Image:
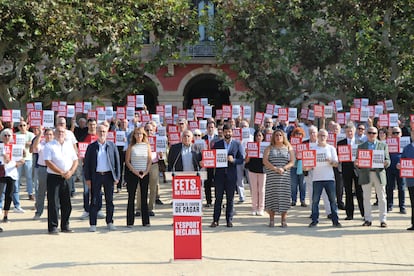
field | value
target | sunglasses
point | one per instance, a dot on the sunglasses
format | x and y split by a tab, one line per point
361	128
197	134
369	132
396	133
22	125
7	135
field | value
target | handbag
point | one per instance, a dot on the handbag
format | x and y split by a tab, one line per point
161	165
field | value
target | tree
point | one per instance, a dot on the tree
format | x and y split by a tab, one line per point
79	49
330	49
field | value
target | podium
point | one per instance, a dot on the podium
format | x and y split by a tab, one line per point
187	213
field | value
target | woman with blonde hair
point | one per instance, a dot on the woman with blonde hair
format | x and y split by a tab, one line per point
138	160
278	158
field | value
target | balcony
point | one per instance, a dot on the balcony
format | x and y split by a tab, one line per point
202	49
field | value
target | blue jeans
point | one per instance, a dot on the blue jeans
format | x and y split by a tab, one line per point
27	167
296	180
393	175
329	186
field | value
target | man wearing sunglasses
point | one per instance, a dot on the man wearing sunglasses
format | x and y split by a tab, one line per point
393	177
376	177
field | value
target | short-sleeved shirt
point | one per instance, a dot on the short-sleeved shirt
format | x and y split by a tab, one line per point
62	155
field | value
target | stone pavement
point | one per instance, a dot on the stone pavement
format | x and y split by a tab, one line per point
249	248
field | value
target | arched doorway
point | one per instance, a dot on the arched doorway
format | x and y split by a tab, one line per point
206	86
149	89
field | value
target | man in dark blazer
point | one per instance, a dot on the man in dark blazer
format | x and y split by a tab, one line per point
101	168
225	178
368	177
350	176
182	157
209	182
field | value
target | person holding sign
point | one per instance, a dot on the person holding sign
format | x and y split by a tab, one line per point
257	177
393	175
225	178
324	178
278	159
408	153
11	173
369	176
296	173
39	144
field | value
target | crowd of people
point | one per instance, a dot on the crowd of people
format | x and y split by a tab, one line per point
50	163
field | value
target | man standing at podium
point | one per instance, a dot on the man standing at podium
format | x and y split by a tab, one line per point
225	178
182	156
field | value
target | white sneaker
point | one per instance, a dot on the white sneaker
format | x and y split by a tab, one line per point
18	210
260	213
84	215
111	227
92	228
100	215
254	213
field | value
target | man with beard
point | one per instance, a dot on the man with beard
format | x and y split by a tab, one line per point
225	178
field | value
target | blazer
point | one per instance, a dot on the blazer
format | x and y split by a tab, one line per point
175	161
381	173
90	161
237	151
215	138
348	168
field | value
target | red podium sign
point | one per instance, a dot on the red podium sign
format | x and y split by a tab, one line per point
187	211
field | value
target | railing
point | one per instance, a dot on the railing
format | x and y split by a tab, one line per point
203	49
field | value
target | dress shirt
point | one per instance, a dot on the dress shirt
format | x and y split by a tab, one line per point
102	164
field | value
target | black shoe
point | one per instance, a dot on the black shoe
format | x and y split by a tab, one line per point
67	230
367	223
403	211
5	220
337	225
293	204
313	224
410	228
303	204
349	218
375	203
229	224
208	205
137	213
1	229
159	202
389	209
151	213
383	225
54	231
214	224
329	216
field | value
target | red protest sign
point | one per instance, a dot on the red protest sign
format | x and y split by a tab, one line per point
364	158
209	158
393	144
407	168
309	158
253	149
344	153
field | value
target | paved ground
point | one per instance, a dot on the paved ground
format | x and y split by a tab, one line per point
249	248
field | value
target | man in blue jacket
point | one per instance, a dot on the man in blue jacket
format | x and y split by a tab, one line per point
101	168
225	178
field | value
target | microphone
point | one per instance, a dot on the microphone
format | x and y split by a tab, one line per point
175	162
